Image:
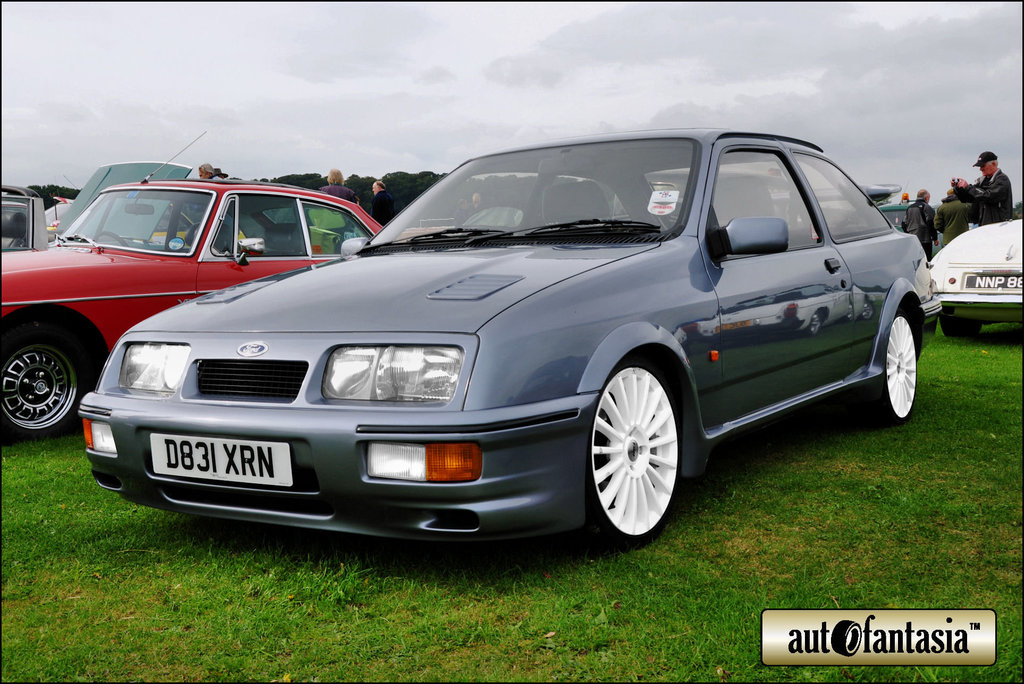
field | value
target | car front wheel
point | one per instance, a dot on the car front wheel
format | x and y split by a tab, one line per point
633	465
43	368
900	388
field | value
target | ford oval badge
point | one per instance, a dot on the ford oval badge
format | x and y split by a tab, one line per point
253	349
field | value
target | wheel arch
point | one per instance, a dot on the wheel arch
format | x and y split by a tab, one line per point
69	319
901	296
658	346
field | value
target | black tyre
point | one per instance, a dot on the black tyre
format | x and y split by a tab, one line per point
959	327
633	465
46	370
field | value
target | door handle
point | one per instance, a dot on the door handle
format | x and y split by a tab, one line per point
832	265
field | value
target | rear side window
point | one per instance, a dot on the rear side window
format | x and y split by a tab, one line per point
849	214
329	227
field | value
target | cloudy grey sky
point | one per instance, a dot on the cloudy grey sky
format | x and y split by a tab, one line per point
906	93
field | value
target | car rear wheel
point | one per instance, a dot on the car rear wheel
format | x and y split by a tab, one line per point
959	327
900	388
633	465
43	368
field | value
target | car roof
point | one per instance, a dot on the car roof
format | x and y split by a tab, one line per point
224	185
212	184
706	136
19	191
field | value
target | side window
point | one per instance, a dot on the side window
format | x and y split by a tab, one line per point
329	227
225	230
849	214
275	218
752	184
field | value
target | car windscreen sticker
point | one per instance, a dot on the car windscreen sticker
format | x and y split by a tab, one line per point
133	194
663	202
175	244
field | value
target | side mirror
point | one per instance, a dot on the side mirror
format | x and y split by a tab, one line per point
750	235
353	245
246	246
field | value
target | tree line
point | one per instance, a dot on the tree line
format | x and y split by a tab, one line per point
404	187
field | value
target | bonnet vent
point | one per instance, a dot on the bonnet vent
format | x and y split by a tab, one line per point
474	287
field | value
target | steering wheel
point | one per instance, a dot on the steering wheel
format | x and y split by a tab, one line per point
117	238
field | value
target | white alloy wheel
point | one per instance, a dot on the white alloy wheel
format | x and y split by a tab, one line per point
634	455
901	368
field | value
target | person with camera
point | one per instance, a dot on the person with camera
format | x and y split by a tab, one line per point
990	197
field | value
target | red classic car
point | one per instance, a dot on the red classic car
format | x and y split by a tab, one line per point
138	249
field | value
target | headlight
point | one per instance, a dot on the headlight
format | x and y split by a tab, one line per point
393	373
153	367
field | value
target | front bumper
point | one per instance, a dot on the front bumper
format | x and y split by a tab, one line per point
532	480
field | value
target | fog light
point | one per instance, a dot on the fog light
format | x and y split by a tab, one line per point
99	437
444	462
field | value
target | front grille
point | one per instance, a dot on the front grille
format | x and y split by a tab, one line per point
249	378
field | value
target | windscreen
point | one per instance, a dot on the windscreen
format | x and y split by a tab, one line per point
612	185
151	220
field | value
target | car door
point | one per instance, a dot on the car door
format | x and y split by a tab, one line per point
856	226
282	226
783	316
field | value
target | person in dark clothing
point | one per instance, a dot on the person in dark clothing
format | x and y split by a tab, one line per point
990	197
920	221
335	186
383	207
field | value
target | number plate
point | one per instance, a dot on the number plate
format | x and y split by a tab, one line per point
231	460
992	281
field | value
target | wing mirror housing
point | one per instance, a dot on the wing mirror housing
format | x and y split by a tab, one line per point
246	246
749	235
353	245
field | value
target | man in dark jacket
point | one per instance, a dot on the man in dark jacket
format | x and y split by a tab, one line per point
920	221
383	208
990	197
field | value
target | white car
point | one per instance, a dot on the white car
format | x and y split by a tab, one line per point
978	278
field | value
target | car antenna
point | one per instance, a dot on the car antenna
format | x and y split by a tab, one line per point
146	179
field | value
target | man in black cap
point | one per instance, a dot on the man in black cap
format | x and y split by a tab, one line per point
990	196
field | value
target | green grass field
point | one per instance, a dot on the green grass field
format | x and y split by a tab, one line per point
818	511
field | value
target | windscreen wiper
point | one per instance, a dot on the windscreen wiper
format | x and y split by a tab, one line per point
453	234
595	226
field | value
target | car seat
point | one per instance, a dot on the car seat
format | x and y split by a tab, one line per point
284	239
15	229
573	201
